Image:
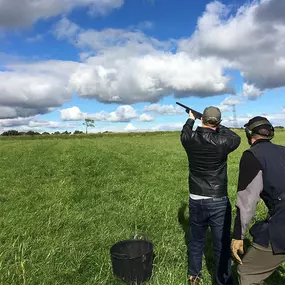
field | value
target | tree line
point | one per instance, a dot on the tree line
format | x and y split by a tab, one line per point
32	133
88	123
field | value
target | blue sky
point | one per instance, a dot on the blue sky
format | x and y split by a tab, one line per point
125	63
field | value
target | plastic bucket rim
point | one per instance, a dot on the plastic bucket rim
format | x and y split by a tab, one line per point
132	241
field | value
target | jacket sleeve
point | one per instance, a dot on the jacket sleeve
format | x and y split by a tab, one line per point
250	186
232	140
186	132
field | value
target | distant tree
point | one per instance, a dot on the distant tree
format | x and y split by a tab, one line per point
32	133
11	133
45	133
279	127
88	123
66	133
77	132
56	133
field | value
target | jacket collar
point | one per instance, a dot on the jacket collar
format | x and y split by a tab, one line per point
205	130
260	141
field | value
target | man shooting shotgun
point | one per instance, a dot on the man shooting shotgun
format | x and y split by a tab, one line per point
207	150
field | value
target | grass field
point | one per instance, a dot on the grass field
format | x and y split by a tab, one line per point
65	201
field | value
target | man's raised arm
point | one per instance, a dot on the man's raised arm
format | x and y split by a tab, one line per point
186	132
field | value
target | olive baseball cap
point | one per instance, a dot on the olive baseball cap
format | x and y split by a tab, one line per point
212	114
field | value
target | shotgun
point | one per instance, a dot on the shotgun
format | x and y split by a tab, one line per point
196	114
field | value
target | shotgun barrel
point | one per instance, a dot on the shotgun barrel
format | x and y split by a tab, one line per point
196	114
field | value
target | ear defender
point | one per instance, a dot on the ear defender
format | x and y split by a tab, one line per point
249	128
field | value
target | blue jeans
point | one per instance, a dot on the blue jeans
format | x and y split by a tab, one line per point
216	213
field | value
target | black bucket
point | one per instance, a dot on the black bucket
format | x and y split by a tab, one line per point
132	260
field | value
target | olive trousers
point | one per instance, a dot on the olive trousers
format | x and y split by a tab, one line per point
258	264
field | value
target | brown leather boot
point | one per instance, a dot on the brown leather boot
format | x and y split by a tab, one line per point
194	280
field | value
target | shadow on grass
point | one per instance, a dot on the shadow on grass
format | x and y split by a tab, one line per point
278	277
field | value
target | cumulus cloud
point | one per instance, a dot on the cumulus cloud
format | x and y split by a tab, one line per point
231	101
72	114
126	80
21	13
14	112
131	67
251	92
277	119
29	123
34	88
97	40
130	128
163	109
240	40
145	118
124	113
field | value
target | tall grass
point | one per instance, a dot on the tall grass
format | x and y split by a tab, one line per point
65	202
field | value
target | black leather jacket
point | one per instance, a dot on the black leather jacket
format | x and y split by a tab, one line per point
207	152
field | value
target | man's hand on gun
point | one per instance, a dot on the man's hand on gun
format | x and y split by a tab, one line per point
237	247
191	115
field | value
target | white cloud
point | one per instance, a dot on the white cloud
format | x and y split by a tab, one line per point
20	13
231	101
72	114
145	118
15	122
163	109
274	118
167	127
34	88
31	123
110	77
65	29
130	128
251	92
14	112
98	40
124	113
252	40
131	67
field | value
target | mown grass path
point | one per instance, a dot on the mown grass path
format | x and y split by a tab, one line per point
65	202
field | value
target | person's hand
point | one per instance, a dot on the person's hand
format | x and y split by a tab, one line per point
237	247
191	116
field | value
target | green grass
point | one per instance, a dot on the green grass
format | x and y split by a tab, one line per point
65	201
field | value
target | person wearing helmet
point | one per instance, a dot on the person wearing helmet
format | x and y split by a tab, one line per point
261	176
207	149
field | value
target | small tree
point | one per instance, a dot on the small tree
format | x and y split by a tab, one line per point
88	123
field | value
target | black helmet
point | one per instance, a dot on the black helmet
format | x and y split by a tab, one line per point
261	126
